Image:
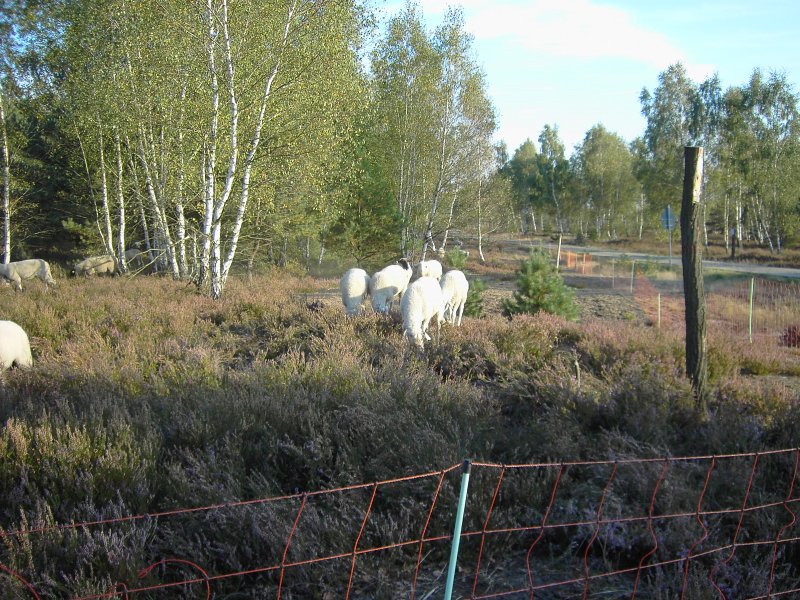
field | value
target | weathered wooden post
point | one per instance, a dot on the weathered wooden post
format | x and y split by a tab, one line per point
692	257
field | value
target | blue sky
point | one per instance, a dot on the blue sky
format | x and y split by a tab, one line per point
576	63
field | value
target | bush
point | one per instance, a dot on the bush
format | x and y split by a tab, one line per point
474	305
540	288
456	258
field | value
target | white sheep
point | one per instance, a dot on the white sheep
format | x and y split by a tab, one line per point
97	265
14	346
354	286
421	302
387	283
15	272
455	288
428	268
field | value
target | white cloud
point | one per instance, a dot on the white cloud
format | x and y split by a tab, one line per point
571	28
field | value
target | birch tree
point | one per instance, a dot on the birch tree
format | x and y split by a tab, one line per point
436	116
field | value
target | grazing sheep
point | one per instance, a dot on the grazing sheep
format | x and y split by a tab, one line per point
387	283
421	302
354	286
97	265
455	288
15	272
428	268
14	346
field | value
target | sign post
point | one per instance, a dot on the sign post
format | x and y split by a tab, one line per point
668	223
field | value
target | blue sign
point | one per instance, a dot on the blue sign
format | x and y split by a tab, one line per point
668	219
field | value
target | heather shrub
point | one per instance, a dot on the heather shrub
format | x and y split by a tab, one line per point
147	397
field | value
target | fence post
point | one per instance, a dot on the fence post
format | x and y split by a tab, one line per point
613	273
462	501
558	255
692	260
633	273
659	311
750	318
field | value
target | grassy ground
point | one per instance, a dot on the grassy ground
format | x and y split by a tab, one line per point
146	396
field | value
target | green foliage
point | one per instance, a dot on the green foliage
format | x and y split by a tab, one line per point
473	307
368	228
540	288
456	258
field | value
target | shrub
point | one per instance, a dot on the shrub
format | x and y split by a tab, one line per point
540	288
456	258
474	305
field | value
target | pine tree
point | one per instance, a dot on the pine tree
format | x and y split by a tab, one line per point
540	288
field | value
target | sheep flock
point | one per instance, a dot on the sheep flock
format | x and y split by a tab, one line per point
425	294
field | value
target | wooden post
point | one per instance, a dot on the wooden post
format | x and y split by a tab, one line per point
558	256
692	257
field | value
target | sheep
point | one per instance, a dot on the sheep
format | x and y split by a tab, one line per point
97	265
135	258
455	287
14	346
428	268
387	283
354	286
421	302
15	272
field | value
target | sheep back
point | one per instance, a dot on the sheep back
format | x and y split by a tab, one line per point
421	302
354	287
97	265
15	348
428	268
387	283
455	288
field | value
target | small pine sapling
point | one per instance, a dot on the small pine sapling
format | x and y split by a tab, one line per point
540	288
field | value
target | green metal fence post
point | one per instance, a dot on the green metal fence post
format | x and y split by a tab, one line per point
752	290
462	501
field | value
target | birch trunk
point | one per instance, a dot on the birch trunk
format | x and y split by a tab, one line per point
180	218
121	206
255	140
156	205
6	184
109	238
209	153
437	192
480	223
140	206
449	222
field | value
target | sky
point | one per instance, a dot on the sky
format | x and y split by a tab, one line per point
578	63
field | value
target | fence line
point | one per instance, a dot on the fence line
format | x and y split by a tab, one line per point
754	310
664	554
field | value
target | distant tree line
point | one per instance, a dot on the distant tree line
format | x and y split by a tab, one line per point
214	134
609	189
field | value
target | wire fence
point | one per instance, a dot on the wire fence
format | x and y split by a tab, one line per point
756	311
664	527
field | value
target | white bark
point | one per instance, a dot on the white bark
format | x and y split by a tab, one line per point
210	151
121	206
109	236
255	140
180	218
6	184
163	235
